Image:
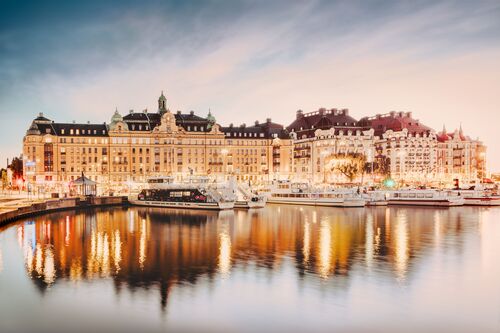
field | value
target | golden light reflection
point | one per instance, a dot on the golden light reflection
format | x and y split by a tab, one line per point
39	259
49	269
117	246
369	240
325	249
306	249
437	228
402	252
142	244
224	251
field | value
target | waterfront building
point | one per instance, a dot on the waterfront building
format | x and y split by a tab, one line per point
141	144
319	136
132	147
460	157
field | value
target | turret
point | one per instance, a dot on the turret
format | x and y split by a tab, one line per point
162	104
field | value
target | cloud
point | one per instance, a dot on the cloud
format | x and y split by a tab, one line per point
248	60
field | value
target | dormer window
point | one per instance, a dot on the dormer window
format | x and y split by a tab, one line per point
77	132
71	131
195	128
62	131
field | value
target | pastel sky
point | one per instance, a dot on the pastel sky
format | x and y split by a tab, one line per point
249	60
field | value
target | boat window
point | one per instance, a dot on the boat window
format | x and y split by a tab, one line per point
412	195
420	195
428	195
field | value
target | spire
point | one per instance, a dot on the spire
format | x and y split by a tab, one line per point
444	129
460	130
162	104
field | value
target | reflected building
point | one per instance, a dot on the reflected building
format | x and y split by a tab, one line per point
155	247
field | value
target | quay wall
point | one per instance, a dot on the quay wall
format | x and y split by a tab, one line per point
59	204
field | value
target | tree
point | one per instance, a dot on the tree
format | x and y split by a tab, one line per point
350	166
5	180
17	167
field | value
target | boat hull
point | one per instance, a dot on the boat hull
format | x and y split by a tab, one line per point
313	202
249	204
482	201
429	203
185	205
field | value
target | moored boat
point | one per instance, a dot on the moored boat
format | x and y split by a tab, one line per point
432	198
479	197
285	192
164	192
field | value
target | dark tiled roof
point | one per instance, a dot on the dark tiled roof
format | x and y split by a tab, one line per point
395	121
61	129
267	130
306	124
151	120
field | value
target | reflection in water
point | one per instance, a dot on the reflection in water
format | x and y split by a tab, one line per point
169	249
325	248
401	246
224	250
169	246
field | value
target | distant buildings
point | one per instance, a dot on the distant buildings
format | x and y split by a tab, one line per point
140	144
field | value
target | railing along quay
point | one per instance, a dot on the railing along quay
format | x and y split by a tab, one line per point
59	204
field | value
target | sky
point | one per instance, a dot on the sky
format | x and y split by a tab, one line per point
250	60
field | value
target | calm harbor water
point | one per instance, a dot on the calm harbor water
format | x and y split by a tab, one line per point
279	269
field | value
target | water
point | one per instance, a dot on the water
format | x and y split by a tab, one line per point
280	269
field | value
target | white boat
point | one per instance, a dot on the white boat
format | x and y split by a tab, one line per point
285	192
375	198
164	192
245	198
479	197
433	198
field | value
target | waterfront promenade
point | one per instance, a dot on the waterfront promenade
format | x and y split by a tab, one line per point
13	207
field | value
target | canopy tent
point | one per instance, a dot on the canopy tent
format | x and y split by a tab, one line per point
85	186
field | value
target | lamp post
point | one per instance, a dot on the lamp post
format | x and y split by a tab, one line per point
224	153
323	154
401	155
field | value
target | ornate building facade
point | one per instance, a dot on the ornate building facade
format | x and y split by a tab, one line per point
141	144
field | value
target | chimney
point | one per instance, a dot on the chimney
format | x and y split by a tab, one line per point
191	112
393	114
40	114
231	125
401	114
243	125
74	122
378	116
178	112
408	114
322	111
299	114
88	122
345	112
131	111
268	120
256	123
335	111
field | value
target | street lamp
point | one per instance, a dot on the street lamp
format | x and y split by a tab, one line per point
224	153
323	154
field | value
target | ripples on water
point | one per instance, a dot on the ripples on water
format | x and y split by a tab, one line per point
283	268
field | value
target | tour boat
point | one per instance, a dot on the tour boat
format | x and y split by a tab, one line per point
246	199
434	198
164	192
375	198
479	198
285	192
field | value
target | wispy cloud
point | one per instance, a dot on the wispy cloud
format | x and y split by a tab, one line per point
248	60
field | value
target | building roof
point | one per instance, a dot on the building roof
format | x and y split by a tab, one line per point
305	124
61	129
266	130
395	121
